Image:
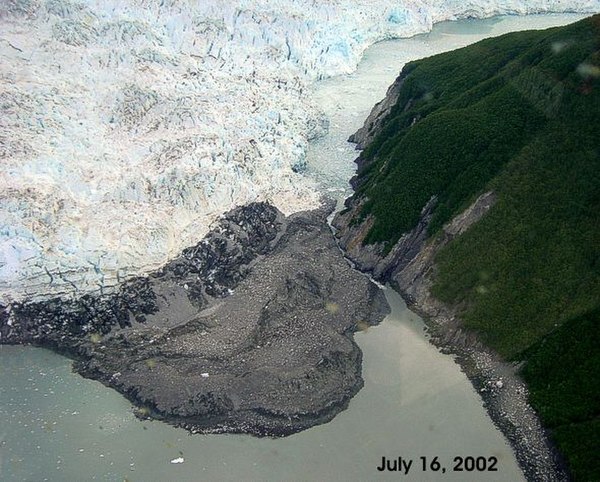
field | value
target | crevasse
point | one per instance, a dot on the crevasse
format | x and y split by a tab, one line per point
127	127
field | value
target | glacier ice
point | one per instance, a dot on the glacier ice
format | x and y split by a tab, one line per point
128	126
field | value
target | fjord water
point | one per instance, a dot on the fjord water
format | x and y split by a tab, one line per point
57	426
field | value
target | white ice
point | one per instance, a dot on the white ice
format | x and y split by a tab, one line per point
128	126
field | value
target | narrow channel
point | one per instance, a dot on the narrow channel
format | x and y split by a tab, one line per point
415	403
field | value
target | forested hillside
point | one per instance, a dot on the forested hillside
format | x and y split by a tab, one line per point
518	115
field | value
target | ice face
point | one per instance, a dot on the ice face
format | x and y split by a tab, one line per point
127	127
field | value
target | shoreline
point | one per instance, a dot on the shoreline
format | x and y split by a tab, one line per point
402	253
409	268
503	394
250	331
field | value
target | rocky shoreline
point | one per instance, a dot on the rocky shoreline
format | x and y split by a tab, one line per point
249	331
503	392
410	269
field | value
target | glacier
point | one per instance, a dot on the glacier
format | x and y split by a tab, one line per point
127	127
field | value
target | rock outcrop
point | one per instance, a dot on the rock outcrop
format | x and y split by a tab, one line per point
363	136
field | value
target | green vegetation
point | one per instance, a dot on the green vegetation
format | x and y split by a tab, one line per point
519	115
562	374
461	117
534	261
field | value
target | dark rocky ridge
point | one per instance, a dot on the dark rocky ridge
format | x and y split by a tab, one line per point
248	331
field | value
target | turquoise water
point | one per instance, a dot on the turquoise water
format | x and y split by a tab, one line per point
57	426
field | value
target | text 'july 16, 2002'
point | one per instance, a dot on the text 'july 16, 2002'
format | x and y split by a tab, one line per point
409	466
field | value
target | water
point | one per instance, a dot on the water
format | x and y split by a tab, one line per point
348	100
57	426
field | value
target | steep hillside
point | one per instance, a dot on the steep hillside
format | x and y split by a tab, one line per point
478	195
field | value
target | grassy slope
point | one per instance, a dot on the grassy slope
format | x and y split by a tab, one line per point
520	115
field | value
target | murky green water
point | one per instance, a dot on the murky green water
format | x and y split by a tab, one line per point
56	426
416	402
